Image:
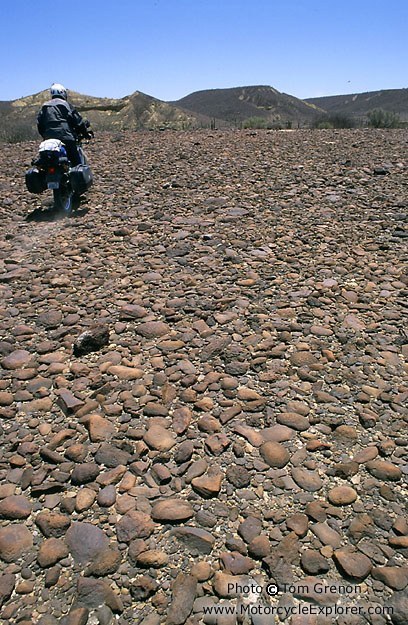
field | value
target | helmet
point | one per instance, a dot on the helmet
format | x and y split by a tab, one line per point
58	90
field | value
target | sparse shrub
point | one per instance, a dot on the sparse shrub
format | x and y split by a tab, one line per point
335	120
342	121
324	126
255	122
274	126
17	131
378	118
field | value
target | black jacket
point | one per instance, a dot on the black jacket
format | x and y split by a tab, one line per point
59	120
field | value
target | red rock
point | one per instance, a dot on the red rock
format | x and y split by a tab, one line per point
159	438
16	359
134	524
355	565
99	428
15	539
274	454
172	510
152	329
342	495
208	485
51	551
6	399
181	419
15	507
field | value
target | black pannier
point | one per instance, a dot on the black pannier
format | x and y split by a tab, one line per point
35	180
80	178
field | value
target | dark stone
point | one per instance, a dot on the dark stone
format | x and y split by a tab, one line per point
196	540
398	604
48	620
15	539
250	528
355	566
214	348
206	518
170	510
84	473
236	563
282	559
7	583
15	507
93	593
52	576
107	496
313	562
396	577
53	524
183	594
184	452
76	616
92	340
308	480
111	456
143	587
259	547
133	525
50	319
85	542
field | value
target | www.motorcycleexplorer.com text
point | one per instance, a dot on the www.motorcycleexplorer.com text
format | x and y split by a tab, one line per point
250	603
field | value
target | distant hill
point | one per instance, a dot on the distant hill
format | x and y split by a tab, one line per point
358	104
201	109
224	107
242	103
135	111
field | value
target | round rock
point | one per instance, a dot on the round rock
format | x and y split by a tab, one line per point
85	541
274	454
308	480
384	470
157	437
14	541
293	420
171	510
342	495
15	507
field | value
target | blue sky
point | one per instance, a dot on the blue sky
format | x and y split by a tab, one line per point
170	48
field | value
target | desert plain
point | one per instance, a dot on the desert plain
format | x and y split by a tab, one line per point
241	418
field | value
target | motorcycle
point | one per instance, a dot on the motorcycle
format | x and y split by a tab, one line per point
52	170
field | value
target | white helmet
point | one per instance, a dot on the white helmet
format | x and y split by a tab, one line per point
58	90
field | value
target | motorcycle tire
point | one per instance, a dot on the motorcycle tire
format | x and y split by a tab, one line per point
63	199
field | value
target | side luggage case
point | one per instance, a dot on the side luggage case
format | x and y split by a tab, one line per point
35	180
80	178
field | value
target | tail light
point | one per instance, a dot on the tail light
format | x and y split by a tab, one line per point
51	170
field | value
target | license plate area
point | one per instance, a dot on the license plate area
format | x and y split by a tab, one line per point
53	185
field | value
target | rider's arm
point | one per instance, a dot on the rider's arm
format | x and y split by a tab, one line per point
40	123
78	122
75	121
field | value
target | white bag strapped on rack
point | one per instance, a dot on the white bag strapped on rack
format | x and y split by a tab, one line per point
50	145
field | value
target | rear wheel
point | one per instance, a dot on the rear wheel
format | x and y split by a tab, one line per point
63	199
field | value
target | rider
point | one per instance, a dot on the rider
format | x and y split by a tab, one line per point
58	119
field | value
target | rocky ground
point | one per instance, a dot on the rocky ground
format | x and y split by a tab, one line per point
204	383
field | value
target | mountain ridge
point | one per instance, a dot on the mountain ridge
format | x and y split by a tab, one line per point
358	104
201	109
236	104
135	111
